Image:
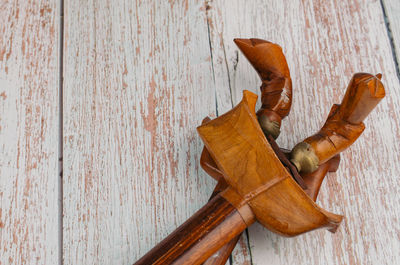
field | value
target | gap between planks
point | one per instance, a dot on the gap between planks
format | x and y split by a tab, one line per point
390	37
60	135
208	19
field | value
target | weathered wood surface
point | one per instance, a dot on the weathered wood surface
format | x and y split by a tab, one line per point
29	109
138	80
391	10
139	77
325	43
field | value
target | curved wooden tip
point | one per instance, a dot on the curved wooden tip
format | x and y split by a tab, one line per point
266	57
251	41
251	100
270	63
205	120
334	163
334	220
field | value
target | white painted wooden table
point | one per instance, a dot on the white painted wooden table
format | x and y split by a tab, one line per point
117	88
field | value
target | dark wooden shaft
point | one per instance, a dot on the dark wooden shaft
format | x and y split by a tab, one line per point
210	228
222	255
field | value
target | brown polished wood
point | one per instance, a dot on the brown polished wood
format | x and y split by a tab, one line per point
285	161
235	154
209	166
239	148
270	63
363	94
276	90
222	255
210	228
256	191
314	180
345	121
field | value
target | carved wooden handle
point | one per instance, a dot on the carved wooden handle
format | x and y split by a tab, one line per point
364	92
344	124
210	228
270	63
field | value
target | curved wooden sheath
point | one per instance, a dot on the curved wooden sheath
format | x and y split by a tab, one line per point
345	121
240	150
274	197
276	89
208	164
209	229
312	180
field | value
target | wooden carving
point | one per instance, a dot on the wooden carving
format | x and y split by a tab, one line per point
363	94
344	124
270	63
257	181
256	190
276	98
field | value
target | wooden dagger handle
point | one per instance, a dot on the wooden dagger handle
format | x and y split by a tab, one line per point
210	228
270	63
364	92
344	124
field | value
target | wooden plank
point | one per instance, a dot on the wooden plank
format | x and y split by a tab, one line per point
226	95
138	80
29	113
325	43
392	11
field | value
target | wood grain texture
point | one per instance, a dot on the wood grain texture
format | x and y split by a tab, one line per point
139	77
325	43
238	145
203	234
392	11
29	83
225	93
138	81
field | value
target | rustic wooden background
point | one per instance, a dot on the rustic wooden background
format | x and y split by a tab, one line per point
99	101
